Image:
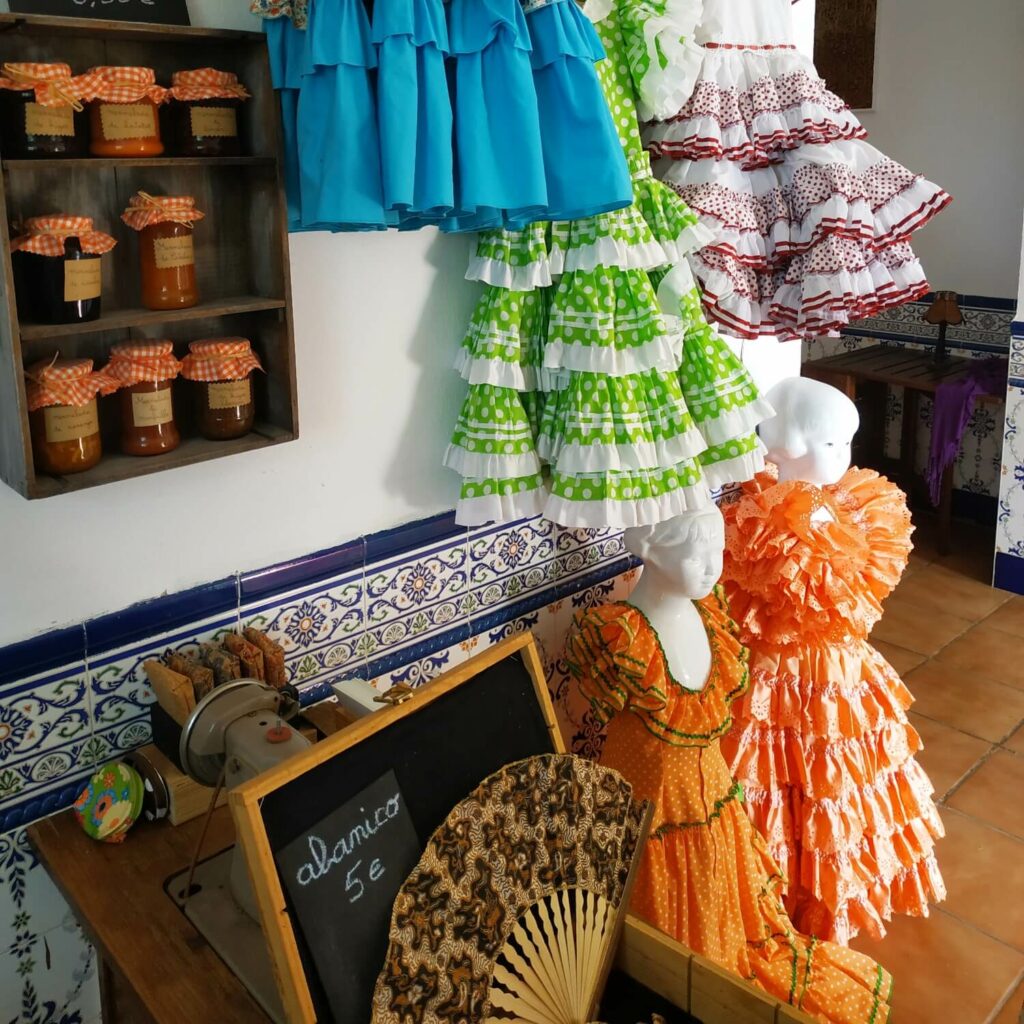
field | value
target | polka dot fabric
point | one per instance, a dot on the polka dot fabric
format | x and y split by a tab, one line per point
706	877
579	378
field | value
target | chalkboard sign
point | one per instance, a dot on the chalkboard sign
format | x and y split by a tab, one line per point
342	878
437	747
154	12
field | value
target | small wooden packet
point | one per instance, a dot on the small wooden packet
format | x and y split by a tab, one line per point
250	656
274	669
224	665
173	690
200	675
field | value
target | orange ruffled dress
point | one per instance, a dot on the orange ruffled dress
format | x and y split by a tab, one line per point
822	743
706	877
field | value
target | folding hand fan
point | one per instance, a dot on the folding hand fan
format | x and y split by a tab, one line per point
514	910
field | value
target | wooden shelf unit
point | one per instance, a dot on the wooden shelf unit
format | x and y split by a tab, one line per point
241	246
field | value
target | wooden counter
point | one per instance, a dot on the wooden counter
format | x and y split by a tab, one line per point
154	965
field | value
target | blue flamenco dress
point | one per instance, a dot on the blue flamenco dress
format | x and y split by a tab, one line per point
490	117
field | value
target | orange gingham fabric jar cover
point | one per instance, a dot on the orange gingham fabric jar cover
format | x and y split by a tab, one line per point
46	235
207	84
137	361
217	359
121	85
52	84
145	210
66	382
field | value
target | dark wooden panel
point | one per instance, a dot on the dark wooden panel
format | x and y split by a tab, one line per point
844	48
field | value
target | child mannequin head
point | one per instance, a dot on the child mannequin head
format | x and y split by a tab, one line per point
809	436
685	550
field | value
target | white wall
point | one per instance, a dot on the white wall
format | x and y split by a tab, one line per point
949	88
378	319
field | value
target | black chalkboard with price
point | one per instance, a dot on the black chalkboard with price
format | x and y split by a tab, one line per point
331	834
154	12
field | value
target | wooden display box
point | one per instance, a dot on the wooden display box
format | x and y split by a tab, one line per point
443	741
241	246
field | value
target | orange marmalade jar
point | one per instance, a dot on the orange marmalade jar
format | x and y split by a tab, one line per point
62	413
145	370
41	112
123	114
223	369
167	258
204	112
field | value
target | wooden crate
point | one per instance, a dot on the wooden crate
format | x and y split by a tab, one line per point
241	247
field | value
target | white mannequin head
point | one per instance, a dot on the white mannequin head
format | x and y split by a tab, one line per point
685	551
809	436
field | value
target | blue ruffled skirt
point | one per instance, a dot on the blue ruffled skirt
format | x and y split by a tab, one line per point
488	117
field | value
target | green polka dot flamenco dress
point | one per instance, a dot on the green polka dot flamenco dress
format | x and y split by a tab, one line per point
598	393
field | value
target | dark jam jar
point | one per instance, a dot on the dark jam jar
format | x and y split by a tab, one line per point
222	369
204	113
58	269
146	371
40	112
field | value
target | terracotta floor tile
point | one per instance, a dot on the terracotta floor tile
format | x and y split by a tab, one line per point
900	658
984	873
1009	617
917	629
939	963
988	652
1016	741
970	703
1013	1011
940	589
948	754
995	793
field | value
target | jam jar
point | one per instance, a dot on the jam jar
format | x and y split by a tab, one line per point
222	369
123	111
63	416
57	269
146	370
41	112
203	112
166	255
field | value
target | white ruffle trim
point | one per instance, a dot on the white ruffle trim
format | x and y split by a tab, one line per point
598	10
601	458
621	515
499	372
504	275
663	353
482	465
500	508
690	239
608	252
662	91
734	471
735	422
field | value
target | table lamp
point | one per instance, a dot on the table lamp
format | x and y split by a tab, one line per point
943	311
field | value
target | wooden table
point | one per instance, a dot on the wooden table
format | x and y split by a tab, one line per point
154	965
917	373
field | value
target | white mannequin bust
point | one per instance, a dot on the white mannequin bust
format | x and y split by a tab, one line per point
809	436
682	563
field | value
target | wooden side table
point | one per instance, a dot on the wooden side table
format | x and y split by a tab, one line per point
917	373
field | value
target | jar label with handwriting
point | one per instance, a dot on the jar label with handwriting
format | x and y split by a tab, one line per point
82	279
71	422
173	252
229	394
210	122
40	120
152	408
128	121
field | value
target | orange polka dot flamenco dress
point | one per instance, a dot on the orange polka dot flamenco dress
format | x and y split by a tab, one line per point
822	743
706	877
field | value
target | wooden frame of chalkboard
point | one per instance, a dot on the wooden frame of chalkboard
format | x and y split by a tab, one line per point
478	717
